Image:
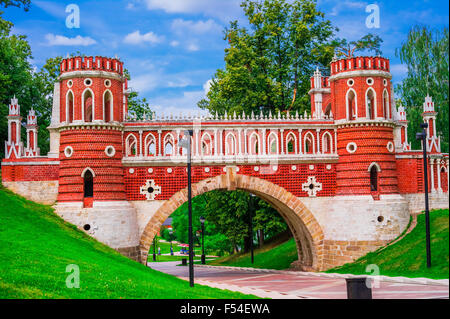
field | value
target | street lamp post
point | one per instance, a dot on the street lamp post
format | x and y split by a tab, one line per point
202	221
171	248
252	197
154	248
423	137
186	143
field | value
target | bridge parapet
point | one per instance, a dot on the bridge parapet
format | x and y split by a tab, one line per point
225	140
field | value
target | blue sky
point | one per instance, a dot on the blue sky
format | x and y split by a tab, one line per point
173	47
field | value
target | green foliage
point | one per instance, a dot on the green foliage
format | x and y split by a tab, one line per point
426	54
36	246
407	257
227	220
268	65
369	42
270	257
137	106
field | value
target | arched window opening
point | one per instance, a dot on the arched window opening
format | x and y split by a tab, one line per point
131	146
150	145
291	143
351	105
254	144
88	106
386	105
328	110
273	144
69	109
230	145
168	149
88	184
370	100
107	107
374	179
169	145
207	148
326	144
309	144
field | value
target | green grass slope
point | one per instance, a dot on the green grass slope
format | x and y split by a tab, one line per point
407	257
36	246
272	256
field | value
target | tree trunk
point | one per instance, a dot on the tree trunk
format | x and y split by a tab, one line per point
261	238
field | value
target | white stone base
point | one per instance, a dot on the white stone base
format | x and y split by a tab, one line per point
355	218
42	192
112	223
417	201
144	211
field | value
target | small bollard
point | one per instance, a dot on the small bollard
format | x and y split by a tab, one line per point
184	262
357	288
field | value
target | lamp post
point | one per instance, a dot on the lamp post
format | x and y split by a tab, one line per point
423	137
186	143
202	221
154	248
251	206
171	248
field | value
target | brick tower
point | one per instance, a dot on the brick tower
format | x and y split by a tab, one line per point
92	105
14	146
361	91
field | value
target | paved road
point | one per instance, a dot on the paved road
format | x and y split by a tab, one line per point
289	286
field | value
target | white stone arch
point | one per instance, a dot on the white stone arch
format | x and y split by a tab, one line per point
205	137
313	144
86	170
252	145
83	101
111	106
347	106
230	149
330	146
273	138
169	140
294	141
130	143
67	106
147	142
376	165
374	102
386	105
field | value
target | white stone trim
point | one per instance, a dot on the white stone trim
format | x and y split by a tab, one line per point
68	151
94	74
349	145
112	153
361	73
85	171
31	163
376	165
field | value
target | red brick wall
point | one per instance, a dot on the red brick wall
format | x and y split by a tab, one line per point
285	177
353	177
22	173
89	151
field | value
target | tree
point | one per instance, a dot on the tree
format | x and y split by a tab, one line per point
426	54
269	65
137	106
368	42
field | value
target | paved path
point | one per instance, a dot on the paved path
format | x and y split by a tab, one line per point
284	285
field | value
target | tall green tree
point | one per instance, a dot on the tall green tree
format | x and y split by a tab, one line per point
426	54
269	64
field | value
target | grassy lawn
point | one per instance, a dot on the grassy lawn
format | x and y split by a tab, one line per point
36	246
407	257
272	256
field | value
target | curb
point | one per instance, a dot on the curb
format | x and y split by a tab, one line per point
404	280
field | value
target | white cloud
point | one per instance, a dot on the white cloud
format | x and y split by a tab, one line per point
174	43
179	104
138	38
184	27
53	39
207	86
193	47
347	5
222	9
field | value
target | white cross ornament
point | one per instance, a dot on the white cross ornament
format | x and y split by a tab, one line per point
312	186
150	190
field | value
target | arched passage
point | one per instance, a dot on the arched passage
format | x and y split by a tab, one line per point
302	223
